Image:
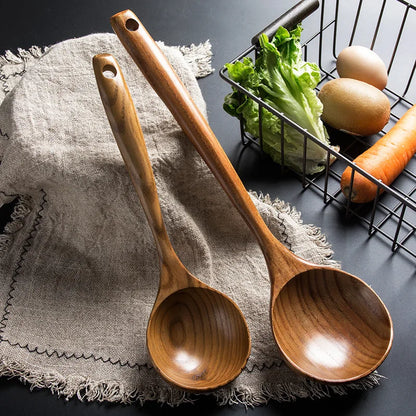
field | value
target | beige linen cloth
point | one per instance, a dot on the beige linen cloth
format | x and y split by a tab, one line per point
78	265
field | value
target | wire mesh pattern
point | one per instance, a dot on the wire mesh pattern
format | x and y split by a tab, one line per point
388	27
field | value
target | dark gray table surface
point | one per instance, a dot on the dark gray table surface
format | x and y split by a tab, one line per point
230	25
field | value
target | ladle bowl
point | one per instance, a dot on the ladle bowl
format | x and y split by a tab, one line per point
197	337
197	333
339	329
328	324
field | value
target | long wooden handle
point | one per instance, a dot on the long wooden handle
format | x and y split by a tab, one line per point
164	80
127	131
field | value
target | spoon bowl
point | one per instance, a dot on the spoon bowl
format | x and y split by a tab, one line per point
175	338
334	338
197	337
328	324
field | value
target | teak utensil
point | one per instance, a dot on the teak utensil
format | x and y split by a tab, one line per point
328	324
197	337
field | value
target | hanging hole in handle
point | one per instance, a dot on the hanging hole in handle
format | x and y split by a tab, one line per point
109	71
132	25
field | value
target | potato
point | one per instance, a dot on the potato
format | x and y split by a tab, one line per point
354	106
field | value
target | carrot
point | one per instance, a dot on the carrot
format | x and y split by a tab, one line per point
385	160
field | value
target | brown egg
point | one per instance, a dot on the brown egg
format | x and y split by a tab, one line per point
362	63
354	106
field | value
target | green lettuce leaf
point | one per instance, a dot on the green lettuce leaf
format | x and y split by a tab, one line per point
283	80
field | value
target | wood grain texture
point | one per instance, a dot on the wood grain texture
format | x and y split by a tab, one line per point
328	324
341	328
197	337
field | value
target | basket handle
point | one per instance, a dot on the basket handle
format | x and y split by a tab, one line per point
289	19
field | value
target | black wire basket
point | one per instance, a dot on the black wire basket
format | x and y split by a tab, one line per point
389	28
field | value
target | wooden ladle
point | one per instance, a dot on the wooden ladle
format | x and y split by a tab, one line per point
328	324
197	337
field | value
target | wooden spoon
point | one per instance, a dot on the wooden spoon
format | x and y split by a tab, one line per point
197	337
328	324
